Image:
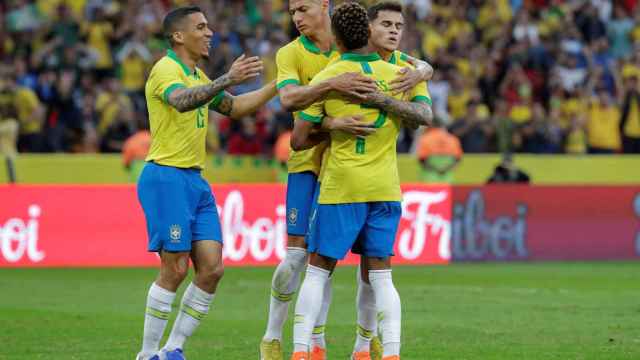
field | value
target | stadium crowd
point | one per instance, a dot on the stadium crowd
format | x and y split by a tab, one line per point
537	76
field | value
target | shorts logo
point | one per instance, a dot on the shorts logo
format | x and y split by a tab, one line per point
175	232
293	216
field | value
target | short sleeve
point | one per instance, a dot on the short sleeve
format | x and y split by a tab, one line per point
165	80
315	112
420	93
286	62
213	105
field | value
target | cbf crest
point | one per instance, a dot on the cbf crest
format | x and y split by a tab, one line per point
293	216
175	233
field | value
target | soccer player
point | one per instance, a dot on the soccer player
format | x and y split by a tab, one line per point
387	25
298	62
180	210
360	194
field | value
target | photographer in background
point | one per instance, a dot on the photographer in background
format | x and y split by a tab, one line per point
507	172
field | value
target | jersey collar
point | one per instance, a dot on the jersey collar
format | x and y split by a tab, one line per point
311	47
360	57
393	59
173	56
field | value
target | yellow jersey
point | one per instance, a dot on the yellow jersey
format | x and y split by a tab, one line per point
357	169
298	63
26	103
603	126
177	139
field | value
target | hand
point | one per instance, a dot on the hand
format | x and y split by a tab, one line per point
407	79
354	85
244	68
352	125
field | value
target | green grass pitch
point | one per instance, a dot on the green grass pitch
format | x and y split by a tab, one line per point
471	311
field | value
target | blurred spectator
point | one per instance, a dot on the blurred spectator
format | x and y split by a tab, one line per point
508	172
618	31
439	153
630	120
8	121
473	132
541	134
536	55
245	141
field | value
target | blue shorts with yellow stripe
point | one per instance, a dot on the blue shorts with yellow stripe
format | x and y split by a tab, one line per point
179	208
367	228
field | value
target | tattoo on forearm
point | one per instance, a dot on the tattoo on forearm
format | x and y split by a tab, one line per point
192	98
226	105
411	114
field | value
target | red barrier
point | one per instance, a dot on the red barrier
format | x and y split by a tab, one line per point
546	223
104	226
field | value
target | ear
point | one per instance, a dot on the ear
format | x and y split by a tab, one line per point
178	38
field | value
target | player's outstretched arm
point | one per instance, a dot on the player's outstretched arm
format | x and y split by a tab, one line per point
412	114
305	136
408	78
250	102
187	99
296	97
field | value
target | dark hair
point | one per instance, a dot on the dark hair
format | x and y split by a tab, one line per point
383	6
173	19
350	24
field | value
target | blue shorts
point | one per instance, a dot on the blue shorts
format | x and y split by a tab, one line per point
369	228
179	208
301	188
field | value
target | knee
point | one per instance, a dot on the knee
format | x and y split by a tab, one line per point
172	275
179	272
211	275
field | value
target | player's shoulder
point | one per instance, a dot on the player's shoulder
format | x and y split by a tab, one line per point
332	69
290	49
164	65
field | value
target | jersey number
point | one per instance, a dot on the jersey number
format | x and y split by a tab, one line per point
200	118
360	142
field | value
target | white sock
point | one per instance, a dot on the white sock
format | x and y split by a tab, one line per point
317	338
194	307
283	286
388	305
156	316
367	315
308	306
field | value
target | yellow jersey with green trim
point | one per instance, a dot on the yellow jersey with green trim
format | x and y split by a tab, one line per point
298	63
397	58
177	139
361	169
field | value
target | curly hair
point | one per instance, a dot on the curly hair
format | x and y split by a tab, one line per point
350	24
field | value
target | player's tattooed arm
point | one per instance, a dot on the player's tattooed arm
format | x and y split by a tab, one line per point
408	78
243	68
423	67
412	114
187	99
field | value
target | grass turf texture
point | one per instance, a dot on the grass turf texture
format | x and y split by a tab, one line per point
471	311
